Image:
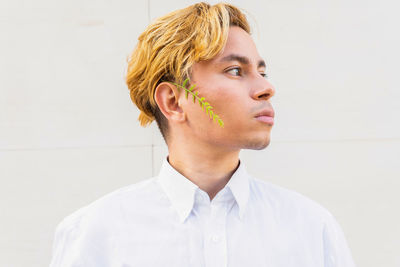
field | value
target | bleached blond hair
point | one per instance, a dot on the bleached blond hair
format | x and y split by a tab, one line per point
169	47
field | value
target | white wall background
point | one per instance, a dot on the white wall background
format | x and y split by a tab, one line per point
69	133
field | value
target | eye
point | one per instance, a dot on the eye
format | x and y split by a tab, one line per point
235	71
264	75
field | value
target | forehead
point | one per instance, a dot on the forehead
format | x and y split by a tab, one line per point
239	38
239	47
239	42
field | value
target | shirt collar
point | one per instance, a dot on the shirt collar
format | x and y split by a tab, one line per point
181	191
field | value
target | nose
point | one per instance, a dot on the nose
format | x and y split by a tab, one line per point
265	90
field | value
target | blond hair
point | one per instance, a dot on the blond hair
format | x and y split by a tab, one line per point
169	47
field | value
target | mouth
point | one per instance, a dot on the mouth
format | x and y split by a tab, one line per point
266	119
266	116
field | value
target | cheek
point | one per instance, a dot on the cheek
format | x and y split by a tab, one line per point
230	107
230	100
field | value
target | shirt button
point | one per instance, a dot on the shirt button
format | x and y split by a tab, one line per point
215	238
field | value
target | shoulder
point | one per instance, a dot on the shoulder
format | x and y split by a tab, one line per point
90	230
298	214
287	202
108	207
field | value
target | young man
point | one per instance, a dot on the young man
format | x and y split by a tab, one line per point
197	72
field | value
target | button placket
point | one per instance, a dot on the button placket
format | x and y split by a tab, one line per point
215	239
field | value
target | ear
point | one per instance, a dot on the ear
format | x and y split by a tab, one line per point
166	96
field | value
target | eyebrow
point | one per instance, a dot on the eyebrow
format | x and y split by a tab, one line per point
242	59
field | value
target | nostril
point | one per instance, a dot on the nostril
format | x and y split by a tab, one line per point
264	96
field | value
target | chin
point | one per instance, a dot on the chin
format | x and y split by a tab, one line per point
257	144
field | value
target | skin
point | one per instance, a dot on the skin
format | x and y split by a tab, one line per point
199	148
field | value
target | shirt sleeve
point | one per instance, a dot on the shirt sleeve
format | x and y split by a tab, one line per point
64	246
336	250
83	239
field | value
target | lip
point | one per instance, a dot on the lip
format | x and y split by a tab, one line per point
266	119
266	116
266	112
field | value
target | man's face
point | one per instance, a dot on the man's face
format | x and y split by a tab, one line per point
234	85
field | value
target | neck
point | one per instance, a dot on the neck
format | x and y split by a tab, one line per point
209	169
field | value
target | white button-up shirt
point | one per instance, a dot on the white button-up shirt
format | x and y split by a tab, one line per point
168	220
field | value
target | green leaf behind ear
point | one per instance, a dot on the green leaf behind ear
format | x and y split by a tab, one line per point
185	82
220	122
192	87
208	109
202	102
194	96
211	114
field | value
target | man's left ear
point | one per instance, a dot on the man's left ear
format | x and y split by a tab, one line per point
166	96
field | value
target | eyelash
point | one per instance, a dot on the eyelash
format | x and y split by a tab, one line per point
240	71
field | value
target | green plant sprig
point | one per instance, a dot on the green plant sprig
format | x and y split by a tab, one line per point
201	100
